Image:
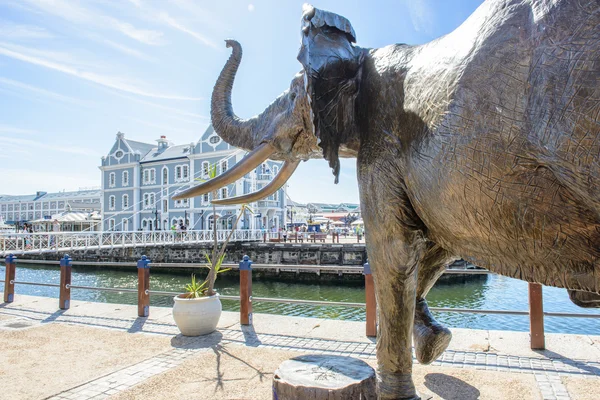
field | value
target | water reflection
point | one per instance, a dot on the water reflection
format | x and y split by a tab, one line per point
493	292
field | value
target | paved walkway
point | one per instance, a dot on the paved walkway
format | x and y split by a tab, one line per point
129	357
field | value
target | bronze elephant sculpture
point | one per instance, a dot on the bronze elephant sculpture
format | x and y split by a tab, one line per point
483	144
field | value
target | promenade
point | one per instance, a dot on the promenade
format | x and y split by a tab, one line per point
99	350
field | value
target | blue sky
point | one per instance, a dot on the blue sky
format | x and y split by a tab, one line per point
74	73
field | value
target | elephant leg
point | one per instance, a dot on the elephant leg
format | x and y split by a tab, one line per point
429	336
394	267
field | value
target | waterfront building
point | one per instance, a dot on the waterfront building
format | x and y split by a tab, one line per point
20	209
139	180
301	214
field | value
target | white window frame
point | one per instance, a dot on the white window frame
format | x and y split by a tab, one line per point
125	178
111	224
125	202
182	173
112	180
223	193
112	203
150	176
163	180
206	198
224	166
275	170
182	203
124	221
205	168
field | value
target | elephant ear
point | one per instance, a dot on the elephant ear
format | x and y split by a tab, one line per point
332	68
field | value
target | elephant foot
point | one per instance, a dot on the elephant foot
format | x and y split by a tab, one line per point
396	387
430	337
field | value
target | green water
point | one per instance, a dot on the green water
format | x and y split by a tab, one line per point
495	292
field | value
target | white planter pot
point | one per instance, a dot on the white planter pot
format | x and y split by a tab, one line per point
195	317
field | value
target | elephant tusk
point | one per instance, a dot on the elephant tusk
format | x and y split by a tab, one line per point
251	161
282	177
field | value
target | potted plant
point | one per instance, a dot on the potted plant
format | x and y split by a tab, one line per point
197	311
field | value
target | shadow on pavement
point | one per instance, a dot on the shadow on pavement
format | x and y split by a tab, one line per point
451	388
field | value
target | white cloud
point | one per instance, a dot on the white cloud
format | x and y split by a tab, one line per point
74	13
63	148
43	92
250	7
9	30
122	48
422	15
12	129
122	84
146	36
166	18
28	181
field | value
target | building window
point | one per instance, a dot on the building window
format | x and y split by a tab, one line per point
182	203
125	178
276	196
149	176
165	205
119	154
224	193
149	200
205	168
205	198
182	173
214	139
124	224
111	180
111	203
125	201
111	224
165	179
223	166
275	169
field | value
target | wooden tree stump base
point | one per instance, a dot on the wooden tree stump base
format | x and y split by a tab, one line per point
323	377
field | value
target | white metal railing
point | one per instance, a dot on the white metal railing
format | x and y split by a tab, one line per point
44	242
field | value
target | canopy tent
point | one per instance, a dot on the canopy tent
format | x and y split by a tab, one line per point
357	222
70	221
338	223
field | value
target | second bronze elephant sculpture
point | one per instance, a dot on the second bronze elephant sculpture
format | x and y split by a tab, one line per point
483	144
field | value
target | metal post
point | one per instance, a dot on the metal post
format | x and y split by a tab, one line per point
143	266
64	297
9	280
246	291
371	302
536	317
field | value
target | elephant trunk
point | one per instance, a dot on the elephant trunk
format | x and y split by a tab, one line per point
235	131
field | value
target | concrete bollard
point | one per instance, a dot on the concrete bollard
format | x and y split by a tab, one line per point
536	317
9	279
371	302
64	297
143	266
246	291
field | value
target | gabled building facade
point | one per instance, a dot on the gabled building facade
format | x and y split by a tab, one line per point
139	180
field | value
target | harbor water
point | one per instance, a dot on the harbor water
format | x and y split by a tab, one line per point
491	292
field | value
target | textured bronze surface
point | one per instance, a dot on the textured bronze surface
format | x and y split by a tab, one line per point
483	144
